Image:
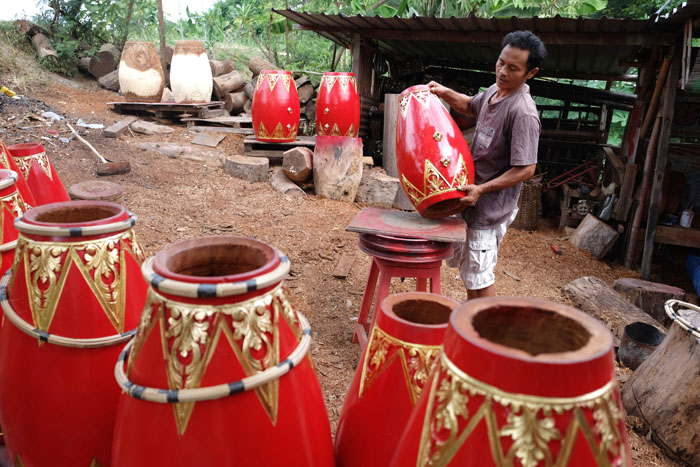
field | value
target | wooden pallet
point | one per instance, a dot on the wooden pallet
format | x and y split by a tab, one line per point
167	109
254	148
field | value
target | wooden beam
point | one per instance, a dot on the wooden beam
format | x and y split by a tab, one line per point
669	100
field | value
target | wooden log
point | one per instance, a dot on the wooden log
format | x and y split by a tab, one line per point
227	83
84	65
281	183
302	80
377	189
342	269
43	47
337	167
234	102
169	51
110	81
247	107
310	110
598	299
649	296
257	64
221	67
297	163
617	165
664	390
249	89
105	61
30	29
306	92
594	236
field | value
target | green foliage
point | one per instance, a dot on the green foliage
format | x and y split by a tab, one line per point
640	9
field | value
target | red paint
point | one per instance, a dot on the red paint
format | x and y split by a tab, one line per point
338	105
429	146
7	162
12	206
43	181
58	404
275	107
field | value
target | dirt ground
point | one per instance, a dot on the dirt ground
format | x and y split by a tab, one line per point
177	199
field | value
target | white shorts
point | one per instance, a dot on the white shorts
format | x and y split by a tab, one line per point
477	258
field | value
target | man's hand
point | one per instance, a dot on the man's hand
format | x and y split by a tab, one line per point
438	89
472	195
459	102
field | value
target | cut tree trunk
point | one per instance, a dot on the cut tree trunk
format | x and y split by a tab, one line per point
44	48
257	64
221	67
306	92
310	110
249	89
337	168
302	80
649	296
248	107
105	61
297	163
598	299
30	29
110	81
664	390
235	101
229	82
84	65
594	236
281	183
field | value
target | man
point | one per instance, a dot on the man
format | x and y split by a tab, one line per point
504	150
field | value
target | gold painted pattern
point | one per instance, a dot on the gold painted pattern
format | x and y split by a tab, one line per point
16	206
421	95
190	335
383	349
335	131
343	81
3	157
101	262
434	182
24	164
272	80
278	133
529	424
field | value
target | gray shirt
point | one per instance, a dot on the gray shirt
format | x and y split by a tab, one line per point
507	134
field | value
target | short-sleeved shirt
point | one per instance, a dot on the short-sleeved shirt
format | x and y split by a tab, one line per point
507	134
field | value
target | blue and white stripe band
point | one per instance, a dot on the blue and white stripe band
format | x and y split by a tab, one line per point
682	322
8	182
84	231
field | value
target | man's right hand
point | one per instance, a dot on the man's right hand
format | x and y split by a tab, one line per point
459	102
437	89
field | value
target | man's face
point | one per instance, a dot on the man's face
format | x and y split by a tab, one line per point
511	69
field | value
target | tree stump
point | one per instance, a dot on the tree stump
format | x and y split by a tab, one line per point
229	82
649	296
105	61
258	64
594	236
598	299
337	167
378	189
664	392
235	101
305	92
297	163
44	48
221	67
110	81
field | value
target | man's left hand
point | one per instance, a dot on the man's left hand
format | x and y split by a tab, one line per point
472	194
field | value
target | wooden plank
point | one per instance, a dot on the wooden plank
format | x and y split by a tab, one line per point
236	122
211	113
342	269
617	165
391	106
669	99
116	129
208	140
673	235
624	203
408	225
222	129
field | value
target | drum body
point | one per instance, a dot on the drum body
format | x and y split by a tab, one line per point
275	107
13	206
218	316
141	76
402	348
432	158
338	105
519	382
8	162
34	165
190	73
74	292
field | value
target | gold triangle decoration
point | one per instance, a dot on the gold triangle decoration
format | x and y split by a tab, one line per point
278	133
421	95
434	182
24	164
343	81
95	463
335	131
529	426
272	79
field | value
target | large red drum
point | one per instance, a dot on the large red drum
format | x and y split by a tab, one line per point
13	206
402	348
432	157
8	162
519	382
71	298
338	105
275	107
219	372
36	168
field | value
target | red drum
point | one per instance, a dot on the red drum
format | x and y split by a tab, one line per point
519	382
8	162
402	348
432	157
37	170
338	105
275	107
74	293
13	207
219	372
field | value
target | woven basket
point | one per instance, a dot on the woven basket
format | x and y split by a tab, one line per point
529	205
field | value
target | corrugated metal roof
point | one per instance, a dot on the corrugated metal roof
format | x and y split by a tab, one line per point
580	45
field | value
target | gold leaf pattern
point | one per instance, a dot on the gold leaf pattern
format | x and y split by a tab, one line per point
278	134
434	182
272	79
421	95
530	436
16	206
44	280
24	164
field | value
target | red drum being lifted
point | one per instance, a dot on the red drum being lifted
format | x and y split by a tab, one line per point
74	293
13	206
402	348
36	168
8	162
432	157
338	105
275	107
519	382
219	372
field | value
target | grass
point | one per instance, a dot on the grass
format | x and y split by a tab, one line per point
20	70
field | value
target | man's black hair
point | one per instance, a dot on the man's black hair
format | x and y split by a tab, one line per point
526	40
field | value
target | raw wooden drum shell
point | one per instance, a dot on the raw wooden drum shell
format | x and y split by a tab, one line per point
190	73
141	76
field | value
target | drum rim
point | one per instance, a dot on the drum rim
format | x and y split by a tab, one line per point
682	322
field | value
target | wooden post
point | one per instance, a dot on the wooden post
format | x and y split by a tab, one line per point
161	33
669	100
391	105
337	167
